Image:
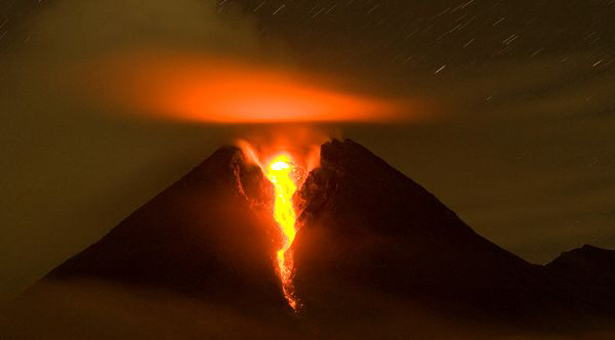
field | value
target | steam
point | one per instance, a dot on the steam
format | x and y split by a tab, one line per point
303	141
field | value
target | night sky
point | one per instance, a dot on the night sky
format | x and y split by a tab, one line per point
521	144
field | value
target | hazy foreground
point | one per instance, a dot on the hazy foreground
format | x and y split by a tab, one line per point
100	311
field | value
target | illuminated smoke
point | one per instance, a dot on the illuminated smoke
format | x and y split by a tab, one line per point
205	89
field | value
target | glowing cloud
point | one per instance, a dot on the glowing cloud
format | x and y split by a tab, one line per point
205	89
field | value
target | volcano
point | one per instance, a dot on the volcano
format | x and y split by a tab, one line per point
374	250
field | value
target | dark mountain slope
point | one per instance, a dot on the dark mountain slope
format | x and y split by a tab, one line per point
368	227
206	236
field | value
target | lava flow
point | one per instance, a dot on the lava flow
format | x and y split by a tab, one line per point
285	159
280	173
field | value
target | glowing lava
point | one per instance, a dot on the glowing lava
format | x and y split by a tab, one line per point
286	157
280	172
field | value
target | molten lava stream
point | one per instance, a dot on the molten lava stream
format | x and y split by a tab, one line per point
280	173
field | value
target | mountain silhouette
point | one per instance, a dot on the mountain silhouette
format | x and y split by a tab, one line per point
372	245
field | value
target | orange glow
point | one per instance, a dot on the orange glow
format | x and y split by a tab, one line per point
213	90
280	172
302	142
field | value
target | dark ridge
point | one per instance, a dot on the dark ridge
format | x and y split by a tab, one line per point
587	272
